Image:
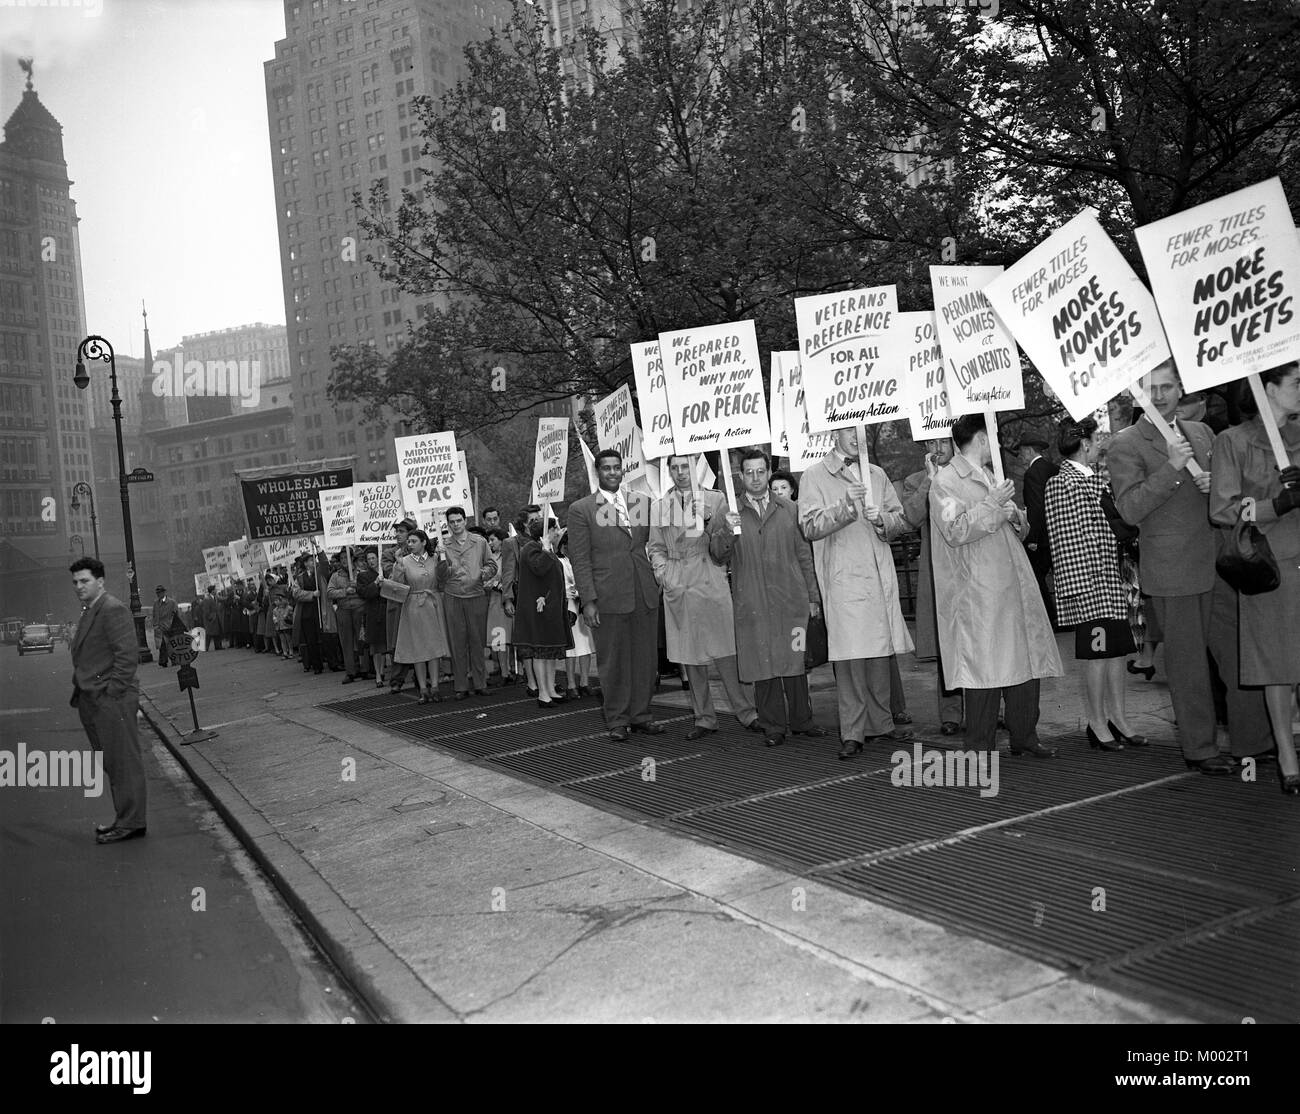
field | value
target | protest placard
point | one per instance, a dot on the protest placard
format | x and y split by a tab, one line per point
589	459
652	400
376	507
201	582
979	355
714	378
1225	277
550	460
431	472
216	561
616	428
238	550
466	499
285	505
914	344
845	380
776	407
1081	314
338	513
255	563
806	448
280	551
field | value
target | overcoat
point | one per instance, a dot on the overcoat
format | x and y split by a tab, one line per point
1085	553
855	566
915	497
698	616
993	627
772	584
212	616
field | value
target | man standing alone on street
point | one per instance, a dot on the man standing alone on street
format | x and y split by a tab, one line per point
608	532
165	614
106	695
850	513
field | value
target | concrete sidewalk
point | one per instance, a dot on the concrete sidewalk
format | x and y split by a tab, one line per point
447	892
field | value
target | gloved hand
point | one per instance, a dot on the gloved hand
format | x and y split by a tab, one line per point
1291	476
1289	500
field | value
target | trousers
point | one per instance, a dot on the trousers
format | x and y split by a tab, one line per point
110	726
1021	715
783	704
467	632
862	693
739	695
627	648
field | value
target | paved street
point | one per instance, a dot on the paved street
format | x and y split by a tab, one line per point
99	934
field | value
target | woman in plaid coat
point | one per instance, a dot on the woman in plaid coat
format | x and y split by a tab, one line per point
1091	594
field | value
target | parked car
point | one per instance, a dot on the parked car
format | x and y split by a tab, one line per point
36	636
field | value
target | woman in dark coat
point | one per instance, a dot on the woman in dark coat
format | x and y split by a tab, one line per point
541	631
376	613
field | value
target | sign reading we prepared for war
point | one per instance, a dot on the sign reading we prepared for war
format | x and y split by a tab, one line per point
652	398
1225	275
846	379
714	378
1081	314
286	506
430	472
979	356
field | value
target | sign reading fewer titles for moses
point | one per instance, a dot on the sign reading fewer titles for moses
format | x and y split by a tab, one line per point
846	380
714	378
1081	314
979	356
1225	276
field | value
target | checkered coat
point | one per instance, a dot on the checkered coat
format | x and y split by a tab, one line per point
1085	554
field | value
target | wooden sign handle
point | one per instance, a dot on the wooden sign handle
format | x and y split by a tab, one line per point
1157	419
725	460
995	445
1270	426
697	527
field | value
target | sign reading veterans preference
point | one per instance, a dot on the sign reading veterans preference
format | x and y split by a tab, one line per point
714	378
376	507
652	398
806	448
431	472
1081	314
338	514
551	459
845	380
914	344
286	506
1225	275
979	356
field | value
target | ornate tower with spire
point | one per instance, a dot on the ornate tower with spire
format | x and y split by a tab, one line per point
153	411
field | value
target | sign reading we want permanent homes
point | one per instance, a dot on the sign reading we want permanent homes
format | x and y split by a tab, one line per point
286	506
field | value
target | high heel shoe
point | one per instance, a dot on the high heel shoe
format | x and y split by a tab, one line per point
1139	671
1102	744
544	703
1290	783
1128	740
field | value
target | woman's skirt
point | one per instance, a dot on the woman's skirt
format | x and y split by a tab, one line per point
1269	625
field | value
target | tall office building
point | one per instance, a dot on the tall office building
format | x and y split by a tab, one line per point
260	353
338	100
44	440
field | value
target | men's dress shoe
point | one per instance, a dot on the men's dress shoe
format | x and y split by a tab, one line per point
1218	764
116	835
1128	740
813	732
618	734
348	679
849	748
100	829
773	740
899	735
584	691
699	733
949	727
902	717
480	692
754	725
650	728
1037	748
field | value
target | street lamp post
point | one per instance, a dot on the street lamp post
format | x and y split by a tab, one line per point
83	488
97	348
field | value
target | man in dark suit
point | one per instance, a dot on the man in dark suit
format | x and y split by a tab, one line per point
1038	471
1194	607
509	575
106	695
165	613
608	531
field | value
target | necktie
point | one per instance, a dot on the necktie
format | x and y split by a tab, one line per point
621	509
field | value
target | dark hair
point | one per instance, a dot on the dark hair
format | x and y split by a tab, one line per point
421	535
1071	435
782	474
495	532
489	510
1273	376
562	546
754	453
456	510
604	453
535	530
92	565
532	508
965	428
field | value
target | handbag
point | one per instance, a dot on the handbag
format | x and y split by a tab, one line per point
816	649
1247	562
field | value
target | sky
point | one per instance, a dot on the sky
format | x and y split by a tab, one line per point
163	108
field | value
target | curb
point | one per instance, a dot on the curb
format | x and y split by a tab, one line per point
389	988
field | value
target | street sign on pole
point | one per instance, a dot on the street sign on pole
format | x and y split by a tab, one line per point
139	476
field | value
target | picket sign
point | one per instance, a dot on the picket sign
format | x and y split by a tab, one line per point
1157	419
995	445
1280	454
862	468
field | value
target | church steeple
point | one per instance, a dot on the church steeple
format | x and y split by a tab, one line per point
153	414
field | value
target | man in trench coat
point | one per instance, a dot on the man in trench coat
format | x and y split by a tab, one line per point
994	634
850	520
698	614
775	592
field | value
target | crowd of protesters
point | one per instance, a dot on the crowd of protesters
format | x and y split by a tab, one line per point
1116	543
